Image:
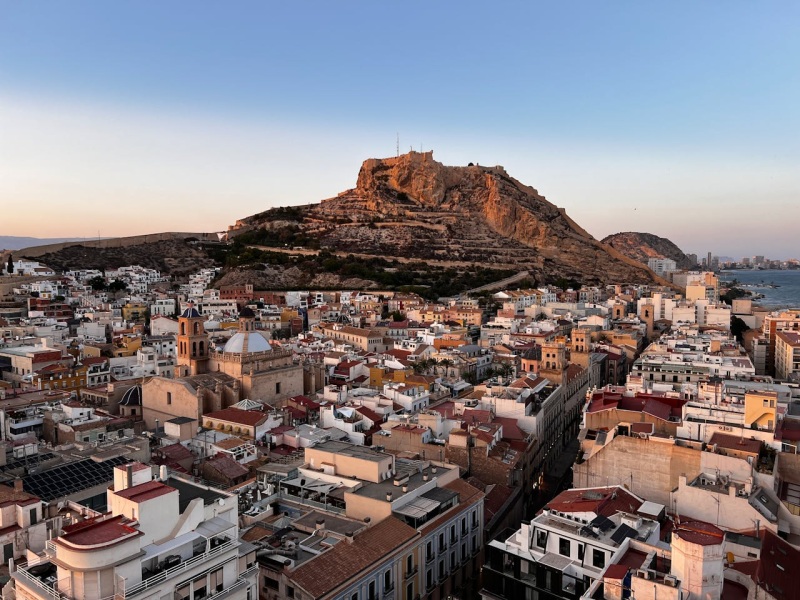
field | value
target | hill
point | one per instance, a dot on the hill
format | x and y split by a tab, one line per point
11	242
643	246
413	207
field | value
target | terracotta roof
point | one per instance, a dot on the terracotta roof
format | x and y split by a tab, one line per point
346	560
226	466
605	501
146	491
774	571
734	442
250	418
467	496
9	497
94	532
176	452
700	533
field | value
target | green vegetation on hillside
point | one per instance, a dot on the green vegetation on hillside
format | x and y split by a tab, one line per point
419	277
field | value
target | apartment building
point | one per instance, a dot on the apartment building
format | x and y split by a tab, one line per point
163	537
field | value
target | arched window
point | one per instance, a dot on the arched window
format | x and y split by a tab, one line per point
183	328
194	348
196	328
202	349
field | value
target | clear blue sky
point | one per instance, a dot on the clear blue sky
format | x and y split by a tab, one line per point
679	119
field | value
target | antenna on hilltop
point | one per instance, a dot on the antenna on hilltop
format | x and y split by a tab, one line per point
398	143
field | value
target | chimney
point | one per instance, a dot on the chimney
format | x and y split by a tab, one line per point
320	524
18	485
164	472
388	496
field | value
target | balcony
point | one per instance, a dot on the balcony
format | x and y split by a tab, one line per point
388	592
159	578
429	558
411	573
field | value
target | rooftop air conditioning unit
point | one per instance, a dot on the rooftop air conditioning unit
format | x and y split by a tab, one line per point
671	581
643	573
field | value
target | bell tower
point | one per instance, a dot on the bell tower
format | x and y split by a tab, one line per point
192	343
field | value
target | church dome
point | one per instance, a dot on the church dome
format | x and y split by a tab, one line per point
247	341
132	397
191	313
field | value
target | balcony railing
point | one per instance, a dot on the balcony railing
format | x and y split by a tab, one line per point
412	572
168	573
48	591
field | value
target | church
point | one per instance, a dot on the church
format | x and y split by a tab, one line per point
212	378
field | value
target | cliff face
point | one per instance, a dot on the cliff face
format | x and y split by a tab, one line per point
641	247
412	206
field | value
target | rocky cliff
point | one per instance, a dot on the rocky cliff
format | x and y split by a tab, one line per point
641	247
412	206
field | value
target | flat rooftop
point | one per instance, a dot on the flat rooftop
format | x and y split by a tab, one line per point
188	491
347	449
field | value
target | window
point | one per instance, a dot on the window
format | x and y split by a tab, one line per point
541	539
463	525
169	397
474	518
270	584
429	551
277	387
441	570
387	580
216	580
564	547
410	591
290	591
429	580
371	591
441	541
409	563
200	588
581	548
354	596
598	558
452	533
182	593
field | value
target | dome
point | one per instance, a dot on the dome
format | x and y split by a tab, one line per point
247	341
247	313
191	313
132	397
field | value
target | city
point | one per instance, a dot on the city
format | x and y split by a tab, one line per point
201	441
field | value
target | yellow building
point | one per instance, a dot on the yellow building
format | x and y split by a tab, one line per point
760	409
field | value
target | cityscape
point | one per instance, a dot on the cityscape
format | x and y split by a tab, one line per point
431	301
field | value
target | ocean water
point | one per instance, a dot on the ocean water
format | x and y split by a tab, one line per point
786	292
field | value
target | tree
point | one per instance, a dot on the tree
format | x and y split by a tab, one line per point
117	286
98	283
10	265
738	327
397	316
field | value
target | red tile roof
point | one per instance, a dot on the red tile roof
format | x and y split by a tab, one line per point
146	491
734	442
775	571
94	532
346	560
604	501
700	533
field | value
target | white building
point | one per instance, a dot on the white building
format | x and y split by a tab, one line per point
161	538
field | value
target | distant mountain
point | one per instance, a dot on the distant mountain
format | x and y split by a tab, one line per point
10	242
642	247
413	207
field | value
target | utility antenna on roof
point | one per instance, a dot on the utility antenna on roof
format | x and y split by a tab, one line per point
398	143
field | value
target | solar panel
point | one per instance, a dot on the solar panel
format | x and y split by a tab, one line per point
70	478
622	532
603	523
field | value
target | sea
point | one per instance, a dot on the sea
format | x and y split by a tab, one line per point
780	289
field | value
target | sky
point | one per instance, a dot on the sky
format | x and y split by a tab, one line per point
674	118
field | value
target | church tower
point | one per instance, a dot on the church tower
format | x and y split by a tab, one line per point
192	343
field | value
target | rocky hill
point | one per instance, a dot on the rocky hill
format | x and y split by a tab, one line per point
643	246
414	207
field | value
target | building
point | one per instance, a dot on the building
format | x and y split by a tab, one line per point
787	354
166	537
